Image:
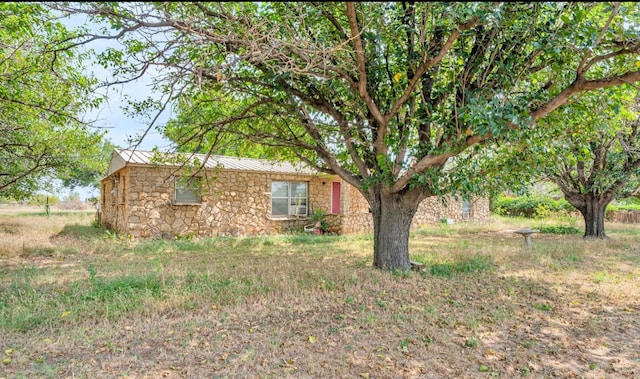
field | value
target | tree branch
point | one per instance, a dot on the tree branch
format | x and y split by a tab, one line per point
427	64
581	84
356	38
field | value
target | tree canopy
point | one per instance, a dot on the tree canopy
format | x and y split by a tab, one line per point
595	157
389	96
42	95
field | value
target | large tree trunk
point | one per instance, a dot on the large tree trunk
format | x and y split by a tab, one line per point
593	214
592	208
392	216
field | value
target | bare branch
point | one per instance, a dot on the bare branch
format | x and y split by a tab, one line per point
362	78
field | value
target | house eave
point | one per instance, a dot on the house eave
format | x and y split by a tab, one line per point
130	158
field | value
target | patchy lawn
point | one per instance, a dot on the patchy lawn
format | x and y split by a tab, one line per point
78	302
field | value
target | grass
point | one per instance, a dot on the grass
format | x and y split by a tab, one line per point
312	306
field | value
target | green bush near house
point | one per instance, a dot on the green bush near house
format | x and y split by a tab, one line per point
529	206
318	215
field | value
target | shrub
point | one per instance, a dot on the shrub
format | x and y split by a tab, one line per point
40	199
529	206
624	207
542	211
558	229
318	215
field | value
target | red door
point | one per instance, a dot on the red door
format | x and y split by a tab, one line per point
335	197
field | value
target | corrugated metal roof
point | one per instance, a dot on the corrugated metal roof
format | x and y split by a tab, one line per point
123	157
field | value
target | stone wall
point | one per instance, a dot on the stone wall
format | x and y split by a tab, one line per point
112	202
430	211
139	200
233	203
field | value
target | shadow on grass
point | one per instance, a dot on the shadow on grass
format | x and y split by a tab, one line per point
80	232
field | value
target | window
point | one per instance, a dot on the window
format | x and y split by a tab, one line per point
288	198
466	209
187	190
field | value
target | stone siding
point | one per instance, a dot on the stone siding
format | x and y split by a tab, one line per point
233	203
139	200
430	211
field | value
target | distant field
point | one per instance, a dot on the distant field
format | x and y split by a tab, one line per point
13	209
77	301
10	209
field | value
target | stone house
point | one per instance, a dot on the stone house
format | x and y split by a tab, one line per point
240	196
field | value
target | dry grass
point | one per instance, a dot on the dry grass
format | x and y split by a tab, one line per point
77	302
26	231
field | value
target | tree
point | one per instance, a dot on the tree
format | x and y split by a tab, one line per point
596	158
385	95
42	95
90	166
190	132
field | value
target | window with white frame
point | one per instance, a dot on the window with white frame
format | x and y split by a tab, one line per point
187	190
289	198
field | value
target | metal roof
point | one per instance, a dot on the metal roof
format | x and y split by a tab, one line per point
124	157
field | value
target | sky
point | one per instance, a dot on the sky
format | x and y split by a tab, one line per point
119	126
111	117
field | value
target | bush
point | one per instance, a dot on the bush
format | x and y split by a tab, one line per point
542	211
531	207
539	207
624	207
42	200
318	215
558	229
631	200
